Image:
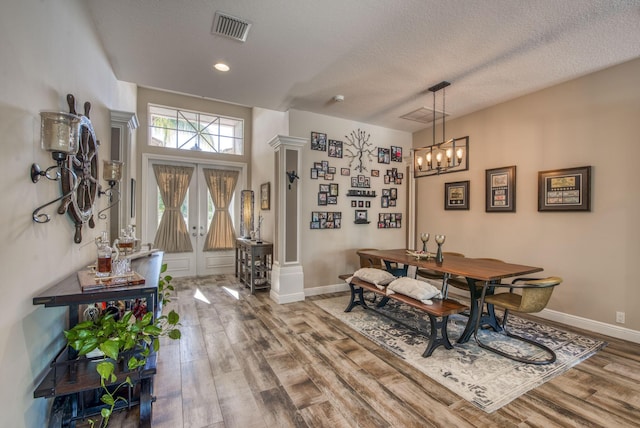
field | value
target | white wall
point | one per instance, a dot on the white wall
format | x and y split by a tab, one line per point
593	121
48	49
266	125
328	253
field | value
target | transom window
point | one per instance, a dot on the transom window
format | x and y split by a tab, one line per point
190	130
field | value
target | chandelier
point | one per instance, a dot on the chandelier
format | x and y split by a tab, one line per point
446	156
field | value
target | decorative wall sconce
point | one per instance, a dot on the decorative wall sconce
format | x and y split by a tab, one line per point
292	177
246	213
112	174
59	134
447	156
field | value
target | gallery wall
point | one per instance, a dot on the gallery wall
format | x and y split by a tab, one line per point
327	253
590	121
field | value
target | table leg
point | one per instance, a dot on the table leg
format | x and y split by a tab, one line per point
475	312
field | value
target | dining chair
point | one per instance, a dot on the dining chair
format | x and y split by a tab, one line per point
368	261
535	294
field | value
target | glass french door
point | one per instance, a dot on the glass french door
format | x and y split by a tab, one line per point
197	210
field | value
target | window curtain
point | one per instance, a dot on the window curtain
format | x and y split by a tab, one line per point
221	184
173	182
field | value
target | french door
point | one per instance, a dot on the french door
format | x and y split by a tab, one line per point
197	210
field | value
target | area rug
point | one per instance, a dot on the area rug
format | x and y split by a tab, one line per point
481	377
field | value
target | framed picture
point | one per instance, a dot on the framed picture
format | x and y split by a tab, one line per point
318	141
335	149
322	198
566	189
375	173
265	196
361	216
384	155
354	204
501	189
396	154
328	177
456	195
345	171
314	173
333	189
324	188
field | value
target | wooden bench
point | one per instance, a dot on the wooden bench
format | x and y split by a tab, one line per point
438	312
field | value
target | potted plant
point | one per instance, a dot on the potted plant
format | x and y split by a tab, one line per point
128	340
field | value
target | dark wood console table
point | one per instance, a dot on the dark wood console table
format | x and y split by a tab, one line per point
74	381
253	263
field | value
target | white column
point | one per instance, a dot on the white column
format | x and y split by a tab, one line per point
287	277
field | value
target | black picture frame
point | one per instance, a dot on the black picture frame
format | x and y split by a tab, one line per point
567	189
384	155
265	196
396	154
500	190
319	141
345	171
456	195
335	149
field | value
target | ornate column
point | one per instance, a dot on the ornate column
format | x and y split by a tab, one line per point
287	277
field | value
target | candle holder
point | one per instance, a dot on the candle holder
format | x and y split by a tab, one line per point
440	240
425	238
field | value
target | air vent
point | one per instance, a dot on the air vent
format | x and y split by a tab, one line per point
230	26
423	115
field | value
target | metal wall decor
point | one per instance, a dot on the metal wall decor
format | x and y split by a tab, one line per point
358	149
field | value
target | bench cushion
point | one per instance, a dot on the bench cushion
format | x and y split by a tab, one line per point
419	290
378	277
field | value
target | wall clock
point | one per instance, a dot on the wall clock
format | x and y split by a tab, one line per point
79	205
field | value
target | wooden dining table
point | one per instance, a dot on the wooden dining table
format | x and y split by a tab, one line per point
484	271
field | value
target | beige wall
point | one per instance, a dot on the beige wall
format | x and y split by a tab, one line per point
329	253
594	120
48	49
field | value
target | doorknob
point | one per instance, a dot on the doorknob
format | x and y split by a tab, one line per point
194	231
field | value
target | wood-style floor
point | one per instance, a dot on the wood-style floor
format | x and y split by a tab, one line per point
248	362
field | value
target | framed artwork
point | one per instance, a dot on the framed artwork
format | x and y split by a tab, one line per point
324	188
335	149
501	189
319	141
345	171
384	155
333	189
396	154
331	169
328	177
566	189
322	198
361	216
314	173
265	196
456	195
375	173
354	204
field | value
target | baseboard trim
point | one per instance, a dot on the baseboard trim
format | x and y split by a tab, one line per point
549	314
326	289
591	325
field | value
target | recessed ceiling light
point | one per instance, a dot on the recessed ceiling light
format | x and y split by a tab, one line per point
221	66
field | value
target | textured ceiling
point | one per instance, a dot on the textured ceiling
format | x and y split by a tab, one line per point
381	55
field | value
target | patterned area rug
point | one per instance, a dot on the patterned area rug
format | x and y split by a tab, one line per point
481	377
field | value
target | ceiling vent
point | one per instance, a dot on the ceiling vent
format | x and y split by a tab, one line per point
423	115
230	26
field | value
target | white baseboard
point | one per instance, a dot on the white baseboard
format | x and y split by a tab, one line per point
591	325
326	289
560	317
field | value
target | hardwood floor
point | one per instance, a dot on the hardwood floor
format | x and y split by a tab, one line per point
249	362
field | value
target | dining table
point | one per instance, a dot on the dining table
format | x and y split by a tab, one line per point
483	271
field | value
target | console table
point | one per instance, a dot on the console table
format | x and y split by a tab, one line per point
72	381
253	263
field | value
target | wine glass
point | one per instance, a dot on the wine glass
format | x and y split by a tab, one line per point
439	240
425	238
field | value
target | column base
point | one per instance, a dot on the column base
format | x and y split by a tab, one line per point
287	283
